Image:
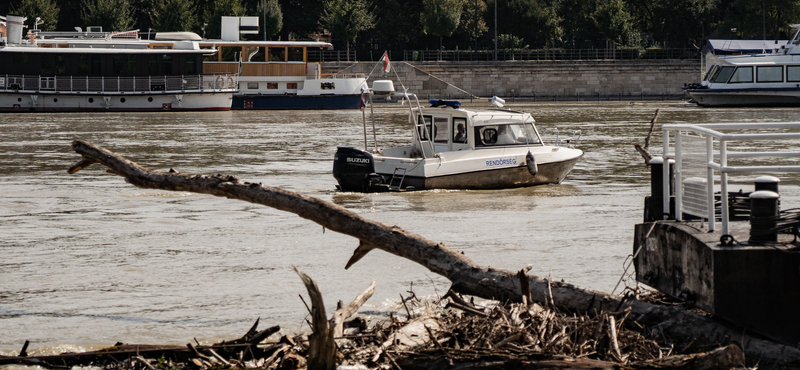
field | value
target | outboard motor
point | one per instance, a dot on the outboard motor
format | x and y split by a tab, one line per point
354	169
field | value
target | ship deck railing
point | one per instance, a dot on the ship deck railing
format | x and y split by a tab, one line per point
146	84
717	137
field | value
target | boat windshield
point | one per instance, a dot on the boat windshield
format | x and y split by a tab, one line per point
506	134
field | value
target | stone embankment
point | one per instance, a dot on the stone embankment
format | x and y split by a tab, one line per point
541	80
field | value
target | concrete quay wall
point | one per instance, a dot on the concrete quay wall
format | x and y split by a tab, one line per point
562	80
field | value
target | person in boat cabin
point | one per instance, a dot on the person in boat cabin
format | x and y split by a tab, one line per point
461	136
503	136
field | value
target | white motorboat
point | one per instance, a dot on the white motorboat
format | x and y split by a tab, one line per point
770	78
105	71
457	148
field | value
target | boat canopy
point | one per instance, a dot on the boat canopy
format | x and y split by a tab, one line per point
720	47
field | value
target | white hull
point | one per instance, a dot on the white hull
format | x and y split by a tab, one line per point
745	98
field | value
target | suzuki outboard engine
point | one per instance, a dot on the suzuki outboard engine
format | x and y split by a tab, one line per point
354	169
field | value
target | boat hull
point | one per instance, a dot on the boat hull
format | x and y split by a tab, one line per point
746	97
355	171
296	101
21	102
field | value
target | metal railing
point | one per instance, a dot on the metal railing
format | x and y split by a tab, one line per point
717	156
149	84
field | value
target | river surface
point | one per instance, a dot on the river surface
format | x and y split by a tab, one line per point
89	260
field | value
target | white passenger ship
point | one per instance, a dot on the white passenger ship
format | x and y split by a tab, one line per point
276	74
105	71
771	78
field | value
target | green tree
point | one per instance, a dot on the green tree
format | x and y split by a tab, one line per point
215	10
576	22
270	10
746	17
346	18
393	18
441	17
301	18
534	20
47	10
173	15
112	15
466	27
614	22
675	21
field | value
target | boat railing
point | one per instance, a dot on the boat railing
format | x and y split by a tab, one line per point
570	139
335	75
718	151
85	84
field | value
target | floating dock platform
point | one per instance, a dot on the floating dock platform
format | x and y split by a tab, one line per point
738	257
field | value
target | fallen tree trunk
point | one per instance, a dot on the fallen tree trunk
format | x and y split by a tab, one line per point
467	277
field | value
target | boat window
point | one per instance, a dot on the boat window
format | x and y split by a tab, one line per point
152	67
191	66
254	54
96	63
83	65
712	73
291	85
742	74
793	73
460	130
130	66
295	54
252	85
277	54
769	74
440	129
46	64
230	53
116	64
510	134
424	134
166	62
61	67
723	74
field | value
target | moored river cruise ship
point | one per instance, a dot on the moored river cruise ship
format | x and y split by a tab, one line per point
771	78
105	71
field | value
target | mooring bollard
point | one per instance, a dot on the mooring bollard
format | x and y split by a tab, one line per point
654	206
763	216
767	183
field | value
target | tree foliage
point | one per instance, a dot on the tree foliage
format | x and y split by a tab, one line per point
173	15
441	17
466	27
47	10
272	17
112	15
346	18
215	10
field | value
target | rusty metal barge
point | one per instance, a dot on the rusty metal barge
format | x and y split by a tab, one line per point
733	254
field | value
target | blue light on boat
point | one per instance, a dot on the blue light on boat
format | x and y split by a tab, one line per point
448	103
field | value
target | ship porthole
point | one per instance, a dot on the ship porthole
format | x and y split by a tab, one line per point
150	99
55	100
122	100
91	100
19	99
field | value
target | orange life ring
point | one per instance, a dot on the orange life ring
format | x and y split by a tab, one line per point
220	82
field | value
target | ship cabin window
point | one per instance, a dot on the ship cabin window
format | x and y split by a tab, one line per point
742	75
83	65
152	65
166	64
441	131
229	53
291	85
459	130
769	74
277	54
295	54
711	73
505	134
793	73
252	85
253	54
722	75
272	85
117	64
424	134
191	66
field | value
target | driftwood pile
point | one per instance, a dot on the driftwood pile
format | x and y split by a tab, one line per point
450	334
540	323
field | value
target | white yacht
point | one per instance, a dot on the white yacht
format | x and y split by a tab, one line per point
105	71
770	78
456	148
